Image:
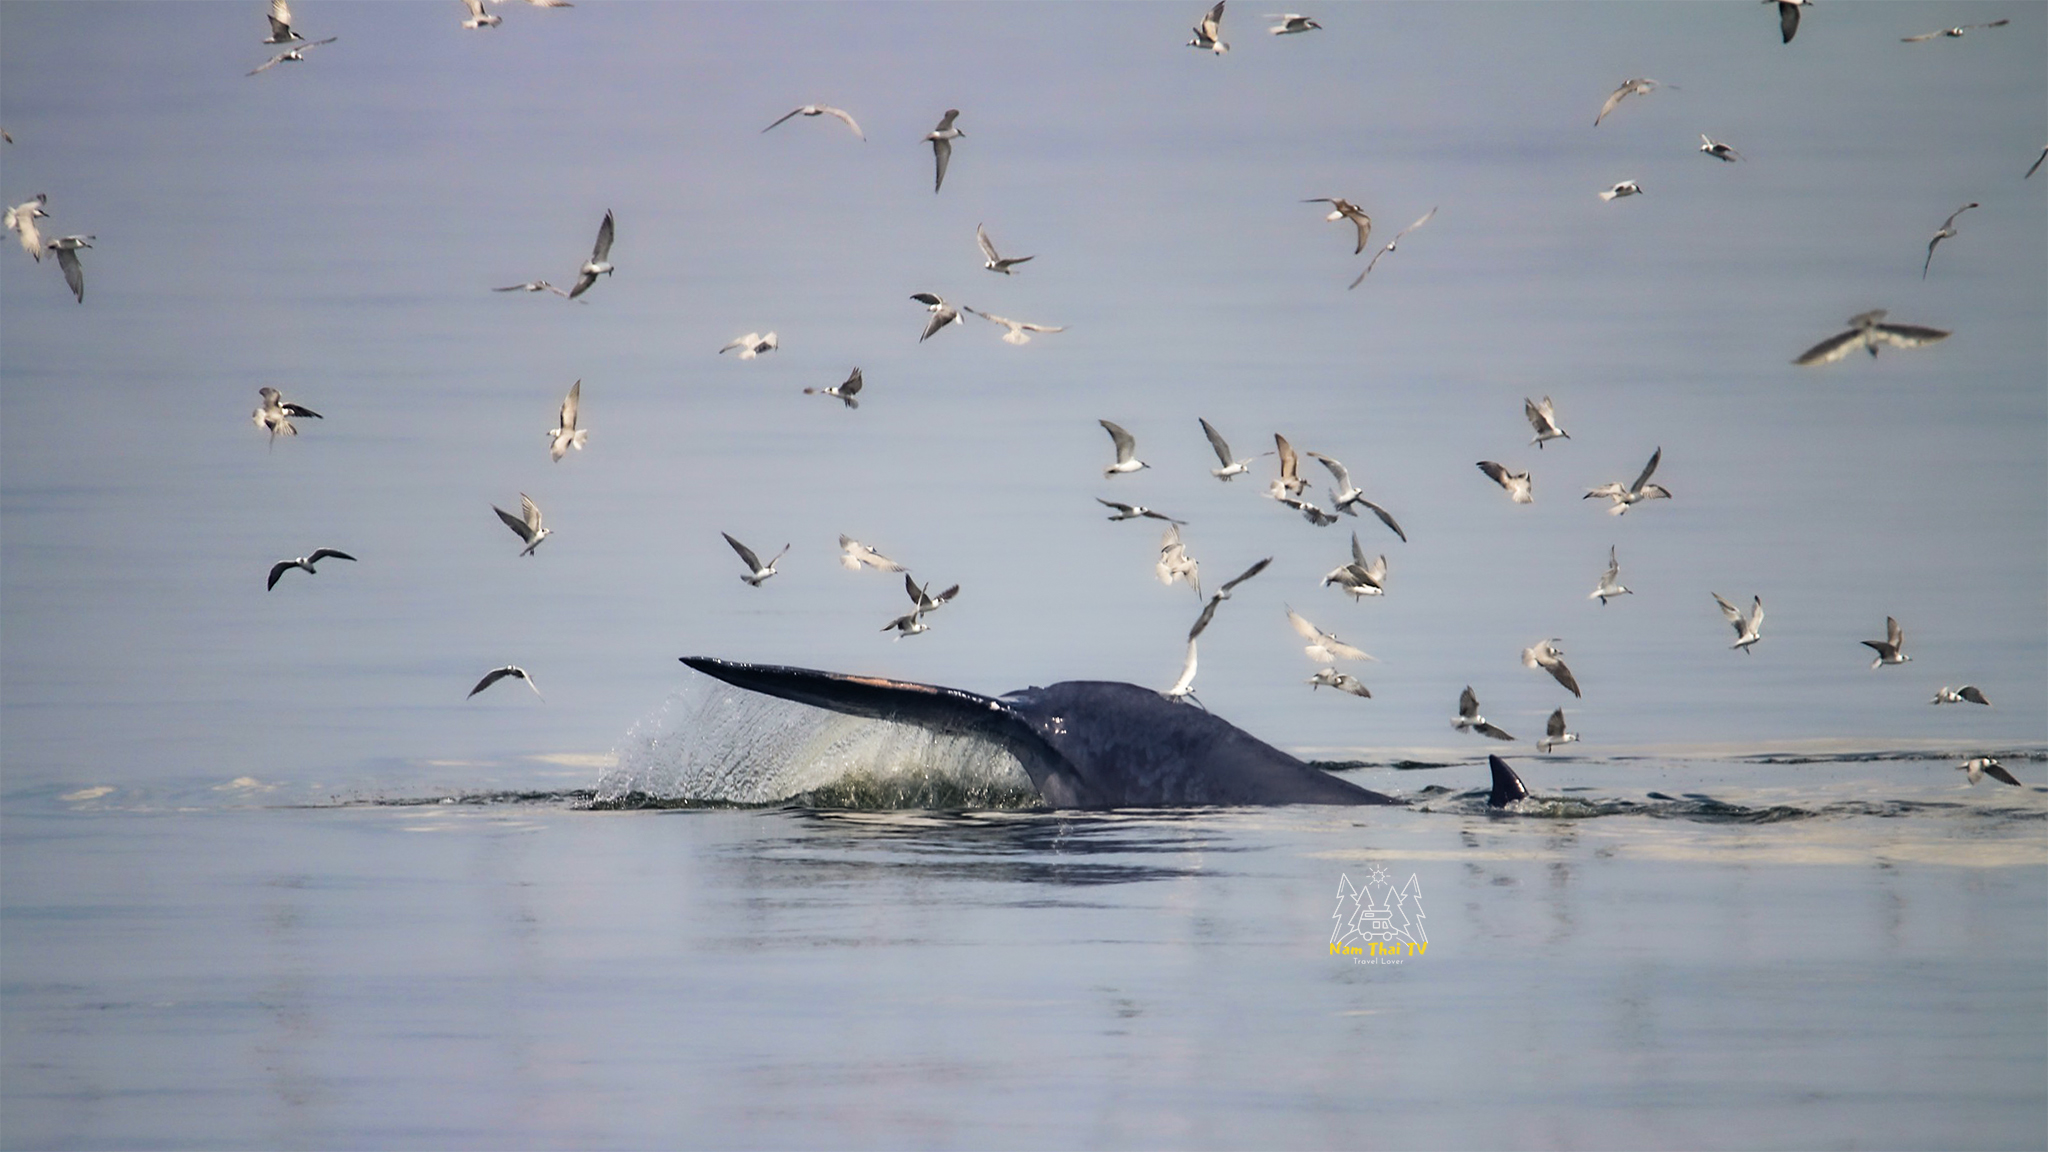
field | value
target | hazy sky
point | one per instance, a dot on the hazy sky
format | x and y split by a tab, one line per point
332	227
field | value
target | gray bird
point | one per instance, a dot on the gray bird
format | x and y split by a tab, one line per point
1019	330
1635	87
1543	418
567	435
1323	647
21	220
1955	33
1469	719
822	110
1222	594
532	286
942	139
1126	451
600	262
1291	23
1868	331
1518	485
1349	495
1641	490
1625	188
294	54
1232	468
1342	209
526	526
497	674
303	562
1968	693
1982	766
1610	581
1391	244
1748	629
1891	649
478	17
942	313
1134	511
993	262
1948	229
1360	578
1550	658
1341	681
757	572
1554	733
1209	33
1718	150
66	248
274	414
855	555
281	24
846	392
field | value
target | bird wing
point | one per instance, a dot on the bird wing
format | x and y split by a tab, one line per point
531	511
1308	631
279	569
569	404
1756	616
1973	694
988	250
1612	100
1835	347
1655	457
266	66
1922	36
929	300
747	556
74	275
320	554
1906	335
1126	446
1788	20
1126	509
476	8
1290	468
1614	568
1468	703
1247	574
1336	469
300	410
1539	415
603	251
515	523
1490	730
493	676
583	284
946	121
1563	675
1555	727
942	152
1186	680
1386	518
1892	633
1997	771
1733	613
785	116
1216	441
943	316
1950	222
852	384
1497	472
843	115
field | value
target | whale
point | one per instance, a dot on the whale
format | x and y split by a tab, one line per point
1088	744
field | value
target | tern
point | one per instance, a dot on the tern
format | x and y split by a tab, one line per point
1222	594
1968	693
478	18
1426	217
1175	563
1322	647
1788	16
497	674
1549	657
1948	229
942	139
752	345
305	562
1126	451
822	110
1290	23
1554	733
1351	495
527	525
1341	681
1951	33
567	435
1520	488
21	219
853	555
1133	511
1209	33
846	392
274	414
600	262
294	54
1469	719
1290	467
1891	649
1309	512
757	572
1610	581
1867	330
1639	491
1019	330
1982	766
1342	209
1748	629
1636	87
1625	188
993	262
281	24
1718	150
1361	578
1543	418
1231	468
532	286
66	248
942	313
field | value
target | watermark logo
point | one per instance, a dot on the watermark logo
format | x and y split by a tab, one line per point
1377	924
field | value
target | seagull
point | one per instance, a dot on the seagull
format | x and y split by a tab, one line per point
1718	150
1351	495
532	286
1951	33
21	219
1360	578
478	18
1638	491
1290	23
1748	629
1948	229
66	248
994	262
1322	647
757	572
600	262
822	110
1209	33
1610	582
1543	418
274	414
1342	209
526	526
1390	246
1019	330
1126	451
1290	467
1628	88
1175	563
1549	657
1983	766
853	554
1625	188
1184	685
926	602
1520	488
1891	649
295	53
1231	468
911	623
281	24
1469	718
497	674
2037	164
1133	511
567	436
306	562
942	139
942	313
1341	681
1554	733
1222	594
1867	330
752	345
845	392
1309	512
1967	693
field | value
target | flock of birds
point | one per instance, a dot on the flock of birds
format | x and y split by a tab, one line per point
1359	576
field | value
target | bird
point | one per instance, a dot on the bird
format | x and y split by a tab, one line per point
846	392
1982	766
853	555
1360	578
1554	733
478	18
1341	681
1232	468
1948	229
1545	654
281	24
1543	418
1290	23
1019	330
752	345
66	248
497	674
1126	451
1342	209
21	219
1209	33
1628	88
1322	647
1175	563
822	110
1867	330
567	435
600	262
912	622
993	262
1426	216
1309	512
1788	16
1520	488
924	601
1350	495
532	286
1133	511
295	53
1718	150
1610	582
1290	467
1469	719
274	414
942	139
757	572
1951	33
1891	649
526	526
1183	687
1969	693
1748	629
1635	493
942	313
1222	594
1625	188
2036	166
306	562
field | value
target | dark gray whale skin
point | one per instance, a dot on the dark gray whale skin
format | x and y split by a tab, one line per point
1085	743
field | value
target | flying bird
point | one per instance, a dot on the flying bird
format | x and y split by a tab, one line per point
1126	451
66	248
1554	733
1718	150
1867	330
1469	719
304	562
1788	16
853	555
1350	495
1948	229
822	110
478	18
924	601
1636	87
1543	418
274	414
1309	512
1222	594
1231	468
912	623
1184	685
1360	578
1610	581
1290	467
1520	488
1133	511
1748	629
294	54
757	572
600	262
1982	766
1290	23
532	286
942	313
1175	563
1891	649
281	24
1968	693
1209	33
752	345
1635	493
1323	647
1955	33
527	525
567	435
1390	246
942	139
1341	681
1342	209
21	220
1625	188
497	674
1549	657
1019	330
847	391
993	262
